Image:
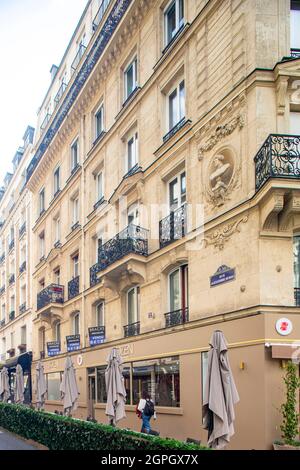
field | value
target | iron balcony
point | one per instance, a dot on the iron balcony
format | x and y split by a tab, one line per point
54	293
133	239
22	268
60	93
2	290
73	287
100	14
132	330
11	245
11	315
78	57
22	230
295	53
173	227
278	157
11	279
174	129
22	308
2	258
45	122
177	317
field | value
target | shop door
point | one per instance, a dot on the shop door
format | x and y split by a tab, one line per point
92	395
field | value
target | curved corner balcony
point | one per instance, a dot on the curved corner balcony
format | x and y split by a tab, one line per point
133	239
53	294
278	157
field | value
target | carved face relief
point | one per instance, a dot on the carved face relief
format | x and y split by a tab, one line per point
220	173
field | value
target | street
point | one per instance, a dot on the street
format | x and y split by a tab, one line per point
10	442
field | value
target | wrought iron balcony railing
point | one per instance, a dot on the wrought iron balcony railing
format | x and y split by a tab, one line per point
295	53
73	287
2	323
2	259
78	57
51	294
11	245
2	290
297	296
11	279
173	227
22	230
135	169
132	330
22	308
279	157
60	93
99	203
42	354
100	14
11	315
45	121
133	239
22	268
177	317
174	129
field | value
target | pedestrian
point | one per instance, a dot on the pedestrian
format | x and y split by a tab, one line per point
145	410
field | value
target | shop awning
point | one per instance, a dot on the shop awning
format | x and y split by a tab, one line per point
24	360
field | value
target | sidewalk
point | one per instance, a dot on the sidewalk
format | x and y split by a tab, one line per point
9	441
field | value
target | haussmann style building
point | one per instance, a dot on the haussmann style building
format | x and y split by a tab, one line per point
165	204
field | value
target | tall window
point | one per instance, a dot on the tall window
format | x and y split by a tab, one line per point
133	305
176	104
12	303
57	332
174	19
133	215
99	186
75	204
23	335
42	340
178	289
75	261
99	122
57	229
295	120
132	152
23	294
295	24
130	78
56	180
57	276
76	328
74	155
41	201
177	192
100	314
3	312
42	244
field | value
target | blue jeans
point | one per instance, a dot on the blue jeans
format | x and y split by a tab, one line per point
146	428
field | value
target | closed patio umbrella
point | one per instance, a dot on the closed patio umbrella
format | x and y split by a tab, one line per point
69	388
220	394
41	387
19	385
4	385
115	388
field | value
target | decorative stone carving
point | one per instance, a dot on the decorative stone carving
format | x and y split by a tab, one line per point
220	133
220	178
220	236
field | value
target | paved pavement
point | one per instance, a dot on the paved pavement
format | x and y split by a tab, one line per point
10	442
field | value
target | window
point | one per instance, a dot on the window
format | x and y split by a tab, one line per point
42	244
23	335
133	307
178	289
23	254
57	229
12	304
295	121
295	22
133	215
204	370
177	192
75	261
99	186
74	155
75	210
53	386
42	284
76	326
57	332
23	295
3	312
174	19
57	276
99	122
12	340
100	314
159	378
56	178
130	78
101	396
132	152
42	201
99	244
176	105
42	340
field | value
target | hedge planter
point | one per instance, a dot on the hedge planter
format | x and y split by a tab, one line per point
281	446
63	433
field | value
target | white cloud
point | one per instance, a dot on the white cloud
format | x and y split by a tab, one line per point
33	35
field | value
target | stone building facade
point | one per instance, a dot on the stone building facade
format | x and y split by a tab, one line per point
165	205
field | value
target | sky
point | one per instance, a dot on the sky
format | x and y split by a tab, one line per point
33	35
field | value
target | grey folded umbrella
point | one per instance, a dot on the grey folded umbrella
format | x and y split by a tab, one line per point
41	387
19	385
115	388
69	388
4	385
220	394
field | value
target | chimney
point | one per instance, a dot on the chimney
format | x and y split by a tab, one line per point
53	71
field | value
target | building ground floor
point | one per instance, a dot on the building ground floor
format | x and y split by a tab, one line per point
171	365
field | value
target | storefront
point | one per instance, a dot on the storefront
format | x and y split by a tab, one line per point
25	361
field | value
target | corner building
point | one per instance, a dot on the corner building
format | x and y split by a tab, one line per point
165	199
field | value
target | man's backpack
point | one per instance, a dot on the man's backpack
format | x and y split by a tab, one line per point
149	408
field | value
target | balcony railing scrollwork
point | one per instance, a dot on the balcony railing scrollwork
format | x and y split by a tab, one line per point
100	13
173	227
133	239
80	52
54	293
11	279
22	308
22	268
73	287
22	230
295	53
278	157
177	317
132	330
174	129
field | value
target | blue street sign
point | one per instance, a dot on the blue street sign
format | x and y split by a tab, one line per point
223	274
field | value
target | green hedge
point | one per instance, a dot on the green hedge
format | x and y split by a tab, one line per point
62	433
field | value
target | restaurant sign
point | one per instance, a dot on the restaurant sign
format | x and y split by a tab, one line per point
53	348
96	335
223	274
73	343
